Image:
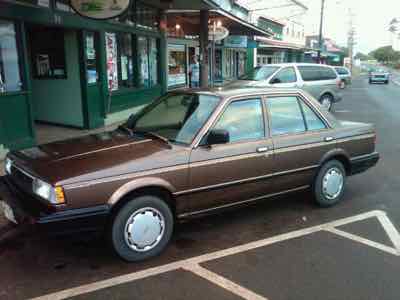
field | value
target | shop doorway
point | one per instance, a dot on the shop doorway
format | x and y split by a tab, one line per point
55	71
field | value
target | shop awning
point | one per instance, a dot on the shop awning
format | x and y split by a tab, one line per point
189	21
270	43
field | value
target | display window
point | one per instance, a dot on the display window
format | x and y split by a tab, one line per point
10	77
177	65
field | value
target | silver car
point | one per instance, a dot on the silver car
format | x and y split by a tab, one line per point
379	75
321	81
344	75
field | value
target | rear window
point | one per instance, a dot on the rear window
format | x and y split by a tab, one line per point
342	71
315	73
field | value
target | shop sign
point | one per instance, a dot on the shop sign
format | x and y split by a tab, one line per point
236	41
112	65
100	9
217	33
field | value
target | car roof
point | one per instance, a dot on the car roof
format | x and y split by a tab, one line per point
228	92
296	64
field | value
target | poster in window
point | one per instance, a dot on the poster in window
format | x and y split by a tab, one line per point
112	66
43	65
124	67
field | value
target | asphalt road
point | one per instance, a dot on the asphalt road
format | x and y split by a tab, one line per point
286	254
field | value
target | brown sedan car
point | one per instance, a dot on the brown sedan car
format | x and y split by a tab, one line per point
189	152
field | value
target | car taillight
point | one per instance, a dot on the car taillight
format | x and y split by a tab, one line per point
339	83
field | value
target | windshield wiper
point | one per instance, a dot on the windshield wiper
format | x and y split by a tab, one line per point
153	135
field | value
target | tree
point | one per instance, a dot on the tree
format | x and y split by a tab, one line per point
386	54
362	56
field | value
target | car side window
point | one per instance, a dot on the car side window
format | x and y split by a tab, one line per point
313	121
285	115
315	73
285	75
243	120
327	73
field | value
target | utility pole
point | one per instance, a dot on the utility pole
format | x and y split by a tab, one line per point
351	39
320	30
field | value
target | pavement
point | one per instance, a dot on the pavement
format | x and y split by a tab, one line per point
285	248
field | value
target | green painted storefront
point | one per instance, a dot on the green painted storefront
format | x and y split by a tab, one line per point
71	97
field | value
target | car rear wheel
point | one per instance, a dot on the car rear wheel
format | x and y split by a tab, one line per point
326	101
329	184
142	228
387	82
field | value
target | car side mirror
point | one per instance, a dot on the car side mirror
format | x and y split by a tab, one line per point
218	136
275	80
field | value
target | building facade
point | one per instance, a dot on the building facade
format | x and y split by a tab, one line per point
61	69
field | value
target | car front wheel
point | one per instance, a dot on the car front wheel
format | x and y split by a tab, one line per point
141	228
329	184
326	101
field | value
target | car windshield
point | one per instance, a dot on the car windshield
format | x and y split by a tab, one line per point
259	73
176	117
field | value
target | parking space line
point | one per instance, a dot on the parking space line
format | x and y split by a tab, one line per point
364	241
190	262
224	283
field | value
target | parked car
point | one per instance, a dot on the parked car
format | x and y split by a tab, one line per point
379	75
189	153
344	75
321	81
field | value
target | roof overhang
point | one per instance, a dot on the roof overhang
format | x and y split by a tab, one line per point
270	43
190	22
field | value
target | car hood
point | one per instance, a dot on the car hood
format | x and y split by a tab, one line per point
97	156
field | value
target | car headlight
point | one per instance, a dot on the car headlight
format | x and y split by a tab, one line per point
55	195
8	165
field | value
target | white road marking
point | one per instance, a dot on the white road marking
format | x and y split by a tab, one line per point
364	241
224	283
189	263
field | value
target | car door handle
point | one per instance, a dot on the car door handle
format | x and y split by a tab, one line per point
329	139
262	149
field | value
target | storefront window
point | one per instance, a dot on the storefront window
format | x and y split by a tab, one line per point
43	3
241	63
146	16
218	65
153	61
176	65
143	61
125	58
48	59
10	78
112	63
90	56
63	5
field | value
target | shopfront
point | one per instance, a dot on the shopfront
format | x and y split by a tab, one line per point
58	68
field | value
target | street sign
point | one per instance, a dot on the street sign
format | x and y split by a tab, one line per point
100	9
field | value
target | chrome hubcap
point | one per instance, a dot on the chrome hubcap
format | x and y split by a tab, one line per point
326	103
332	183
144	229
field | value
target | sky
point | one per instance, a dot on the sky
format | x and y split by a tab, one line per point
371	19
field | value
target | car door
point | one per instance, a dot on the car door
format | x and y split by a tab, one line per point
224	174
301	137
285	78
318	80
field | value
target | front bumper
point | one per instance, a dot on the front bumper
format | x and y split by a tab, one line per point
378	79
27	209
362	163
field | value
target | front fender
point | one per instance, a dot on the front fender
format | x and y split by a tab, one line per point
137	184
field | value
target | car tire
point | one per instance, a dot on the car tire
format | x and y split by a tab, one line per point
387	82
154	221
326	101
329	184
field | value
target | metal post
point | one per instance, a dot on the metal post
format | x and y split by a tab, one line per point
320	30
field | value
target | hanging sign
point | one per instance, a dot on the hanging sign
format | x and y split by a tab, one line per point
218	34
100	9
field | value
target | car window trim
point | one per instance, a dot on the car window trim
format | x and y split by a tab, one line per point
270	119
221	112
304	116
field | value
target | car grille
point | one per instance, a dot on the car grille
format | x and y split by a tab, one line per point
21	179
379	76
